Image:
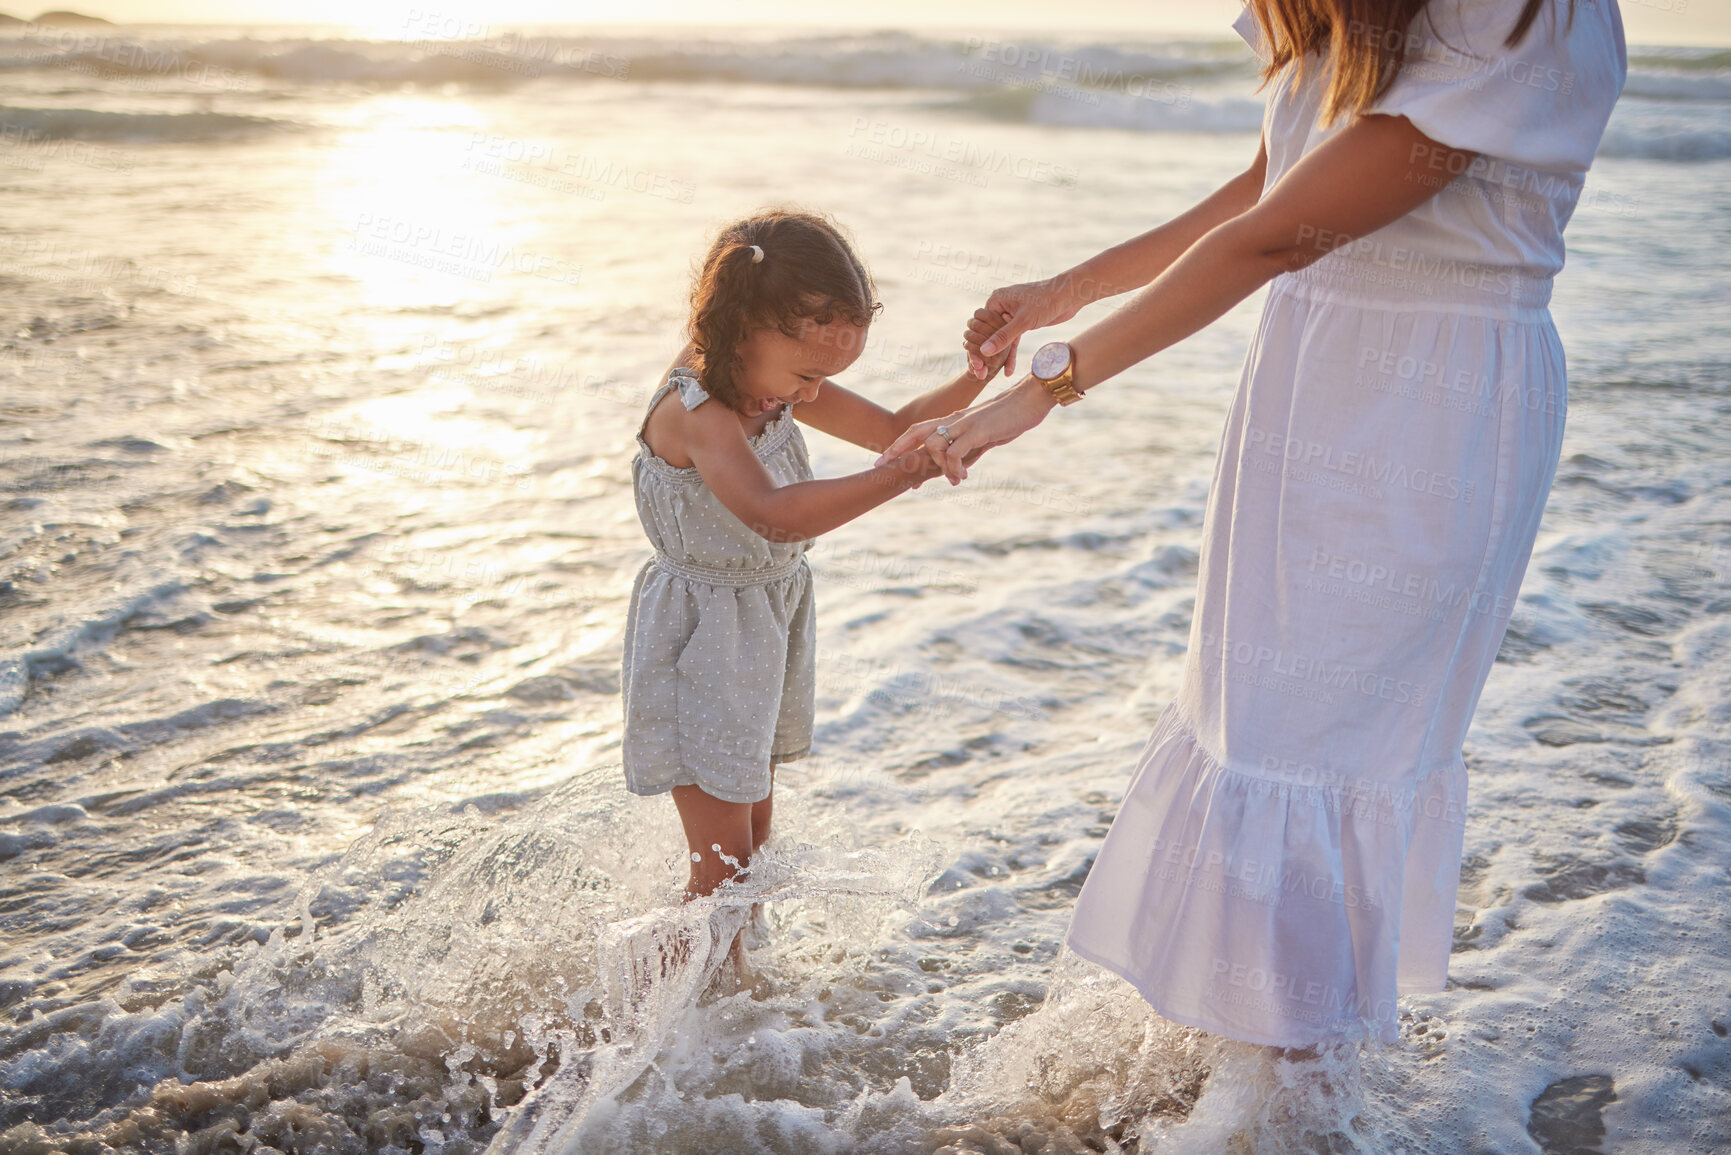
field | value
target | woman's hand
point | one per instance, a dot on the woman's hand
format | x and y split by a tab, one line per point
916	465
997	329
971	432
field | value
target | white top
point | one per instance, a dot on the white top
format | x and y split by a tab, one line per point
1534	113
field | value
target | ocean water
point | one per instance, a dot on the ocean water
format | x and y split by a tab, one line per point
320	357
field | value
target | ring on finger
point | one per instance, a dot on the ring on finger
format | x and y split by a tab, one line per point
944	431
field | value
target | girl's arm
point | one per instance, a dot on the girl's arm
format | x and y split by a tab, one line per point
716	444
845	414
1018	308
1368	175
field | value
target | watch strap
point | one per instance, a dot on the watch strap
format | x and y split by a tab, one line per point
1061	388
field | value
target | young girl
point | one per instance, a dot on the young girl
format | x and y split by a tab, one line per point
718	670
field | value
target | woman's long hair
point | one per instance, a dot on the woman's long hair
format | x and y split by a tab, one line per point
1362	44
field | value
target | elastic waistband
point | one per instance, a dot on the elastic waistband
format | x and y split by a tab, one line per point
716	576
1393	278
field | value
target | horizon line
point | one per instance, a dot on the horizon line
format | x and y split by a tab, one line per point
747	24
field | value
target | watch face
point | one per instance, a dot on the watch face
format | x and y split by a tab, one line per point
1051	360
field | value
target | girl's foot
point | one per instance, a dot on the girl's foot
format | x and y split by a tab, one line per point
736	974
743	972
740	975
757	929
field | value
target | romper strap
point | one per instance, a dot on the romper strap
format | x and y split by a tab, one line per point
690	391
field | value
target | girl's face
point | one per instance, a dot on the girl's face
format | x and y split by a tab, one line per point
780	370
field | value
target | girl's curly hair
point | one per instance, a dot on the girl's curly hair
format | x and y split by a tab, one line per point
808	270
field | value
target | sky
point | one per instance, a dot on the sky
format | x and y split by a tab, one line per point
1684	22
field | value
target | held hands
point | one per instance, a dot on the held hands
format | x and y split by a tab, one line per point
971	432
916	466
991	339
996	330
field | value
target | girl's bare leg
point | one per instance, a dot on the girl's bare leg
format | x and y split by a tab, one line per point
715	831
760	816
710	824
761	813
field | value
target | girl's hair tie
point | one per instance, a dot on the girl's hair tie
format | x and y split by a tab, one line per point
756	254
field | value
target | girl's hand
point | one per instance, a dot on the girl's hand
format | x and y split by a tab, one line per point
996	330
971	432
915	464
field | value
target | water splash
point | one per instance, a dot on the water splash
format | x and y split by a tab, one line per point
1095	1069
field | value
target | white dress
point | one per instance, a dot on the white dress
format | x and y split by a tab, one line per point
1286	859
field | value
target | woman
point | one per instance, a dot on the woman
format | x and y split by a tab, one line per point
1287	855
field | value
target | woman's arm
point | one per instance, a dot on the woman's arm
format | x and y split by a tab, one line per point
716	444
1014	310
1368	175
851	417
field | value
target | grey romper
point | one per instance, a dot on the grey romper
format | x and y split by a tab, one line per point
719	673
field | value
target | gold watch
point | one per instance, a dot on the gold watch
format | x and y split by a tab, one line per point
1054	366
